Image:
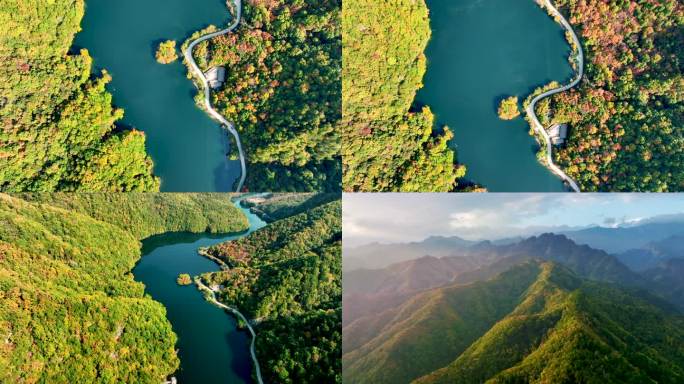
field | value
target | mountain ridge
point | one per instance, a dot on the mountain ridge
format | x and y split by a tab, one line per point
551	321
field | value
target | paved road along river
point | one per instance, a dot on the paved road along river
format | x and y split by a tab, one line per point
210	347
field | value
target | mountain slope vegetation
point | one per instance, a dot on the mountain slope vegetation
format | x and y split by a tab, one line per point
536	322
287	277
278	206
70	311
666	279
57	122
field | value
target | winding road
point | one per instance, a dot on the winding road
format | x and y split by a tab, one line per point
207	90
241	316
530	108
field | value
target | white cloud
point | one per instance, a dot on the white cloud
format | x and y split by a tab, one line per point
400	217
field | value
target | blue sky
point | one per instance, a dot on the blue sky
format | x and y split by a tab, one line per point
396	217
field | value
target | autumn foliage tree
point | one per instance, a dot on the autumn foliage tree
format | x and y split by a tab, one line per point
166	53
508	108
627	131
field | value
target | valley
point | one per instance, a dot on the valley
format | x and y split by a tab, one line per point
532	309
100	284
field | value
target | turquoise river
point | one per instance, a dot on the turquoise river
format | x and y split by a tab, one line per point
480	52
210	347
188	148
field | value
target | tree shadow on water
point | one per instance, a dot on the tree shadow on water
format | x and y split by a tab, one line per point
239	342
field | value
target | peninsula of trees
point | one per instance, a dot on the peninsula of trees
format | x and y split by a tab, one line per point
387	144
57	123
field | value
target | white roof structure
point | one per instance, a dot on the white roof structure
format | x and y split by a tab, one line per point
558	133
216	76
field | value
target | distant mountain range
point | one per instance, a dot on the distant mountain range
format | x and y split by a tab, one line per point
639	246
624	238
654	253
365	256
534	308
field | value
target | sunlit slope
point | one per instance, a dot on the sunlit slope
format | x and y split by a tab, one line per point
69	309
432	329
537	322
146	214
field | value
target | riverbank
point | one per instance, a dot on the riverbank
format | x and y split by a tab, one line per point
199	74
234	311
189	149
518	47
210	346
577	61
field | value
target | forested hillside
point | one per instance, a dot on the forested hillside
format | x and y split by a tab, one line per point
536	322
276	206
283	91
70	311
287	277
387	146
146	214
57	123
626	116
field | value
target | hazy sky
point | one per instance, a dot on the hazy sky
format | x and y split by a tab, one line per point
397	217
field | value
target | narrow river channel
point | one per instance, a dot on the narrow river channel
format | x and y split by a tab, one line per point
210	348
188	148
480	52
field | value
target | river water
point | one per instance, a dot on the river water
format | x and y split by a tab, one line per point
188	148
210	348
481	51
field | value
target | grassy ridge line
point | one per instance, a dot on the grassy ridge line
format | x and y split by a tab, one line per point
535	323
70	310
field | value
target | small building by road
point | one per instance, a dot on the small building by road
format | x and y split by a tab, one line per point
216	76
558	133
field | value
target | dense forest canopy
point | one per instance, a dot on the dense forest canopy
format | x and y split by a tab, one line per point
626	117
387	146
283	91
276	206
70	311
287	277
146	214
57	123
